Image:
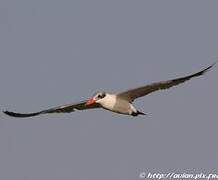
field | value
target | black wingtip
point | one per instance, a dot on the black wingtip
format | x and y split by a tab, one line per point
203	71
208	68
19	115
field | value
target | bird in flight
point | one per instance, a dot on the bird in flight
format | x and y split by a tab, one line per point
118	103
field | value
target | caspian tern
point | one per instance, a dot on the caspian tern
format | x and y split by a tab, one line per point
119	103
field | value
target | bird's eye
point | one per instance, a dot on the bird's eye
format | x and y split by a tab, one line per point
102	95
99	96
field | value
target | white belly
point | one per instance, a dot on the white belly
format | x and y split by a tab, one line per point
111	103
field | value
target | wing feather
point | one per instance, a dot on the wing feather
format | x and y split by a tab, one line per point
60	109
132	94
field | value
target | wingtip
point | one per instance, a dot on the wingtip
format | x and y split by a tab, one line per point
19	115
6	112
214	63
207	69
9	113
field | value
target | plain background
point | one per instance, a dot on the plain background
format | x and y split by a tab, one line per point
55	52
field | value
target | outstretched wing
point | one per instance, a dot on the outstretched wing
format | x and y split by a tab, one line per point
60	109
132	94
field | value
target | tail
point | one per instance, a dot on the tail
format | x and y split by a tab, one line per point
138	113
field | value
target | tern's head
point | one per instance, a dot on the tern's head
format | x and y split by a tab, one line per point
96	98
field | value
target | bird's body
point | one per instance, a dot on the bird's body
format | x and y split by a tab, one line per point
119	103
113	102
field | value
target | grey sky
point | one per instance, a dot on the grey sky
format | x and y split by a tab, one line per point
56	52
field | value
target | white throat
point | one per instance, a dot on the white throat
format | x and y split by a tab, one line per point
108	102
